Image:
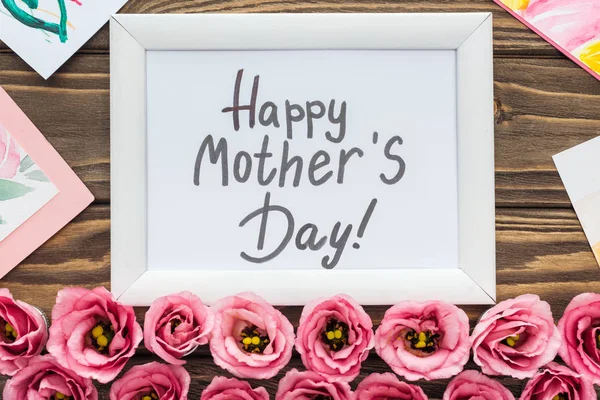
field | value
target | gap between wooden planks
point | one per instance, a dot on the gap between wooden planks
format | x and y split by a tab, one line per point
543	106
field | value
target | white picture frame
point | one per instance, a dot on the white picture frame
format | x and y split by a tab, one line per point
469	34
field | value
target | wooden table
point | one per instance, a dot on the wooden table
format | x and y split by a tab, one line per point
544	104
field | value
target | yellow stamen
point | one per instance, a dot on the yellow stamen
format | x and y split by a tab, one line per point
330	335
59	395
256	340
557	397
14	333
422	337
97	331
146	398
102	341
247	341
420	345
8	327
154	395
338	334
512	340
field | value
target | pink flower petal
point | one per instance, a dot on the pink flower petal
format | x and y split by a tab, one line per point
232	315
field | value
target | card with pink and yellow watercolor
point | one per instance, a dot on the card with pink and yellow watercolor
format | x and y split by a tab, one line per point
572	26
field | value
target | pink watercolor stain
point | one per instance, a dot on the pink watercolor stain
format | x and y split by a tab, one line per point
10	155
571	23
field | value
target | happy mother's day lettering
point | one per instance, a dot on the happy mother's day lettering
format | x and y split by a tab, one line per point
281	167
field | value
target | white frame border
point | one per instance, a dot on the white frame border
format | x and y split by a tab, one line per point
470	34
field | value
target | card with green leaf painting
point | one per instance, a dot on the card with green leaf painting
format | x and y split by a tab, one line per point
24	187
46	33
45	194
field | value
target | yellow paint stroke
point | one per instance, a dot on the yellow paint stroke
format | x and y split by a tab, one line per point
516	5
590	55
70	25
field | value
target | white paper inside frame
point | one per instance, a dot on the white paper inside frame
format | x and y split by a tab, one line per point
404	96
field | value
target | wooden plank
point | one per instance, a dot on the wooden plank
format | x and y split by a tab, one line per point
542	251
543	106
510	36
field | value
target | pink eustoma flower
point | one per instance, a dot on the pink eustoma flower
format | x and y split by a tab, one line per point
515	337
473	385
297	385
580	331
175	325
558	382
222	388
92	334
156	380
334	337
10	155
46	378
424	340
387	386
23	333
251	339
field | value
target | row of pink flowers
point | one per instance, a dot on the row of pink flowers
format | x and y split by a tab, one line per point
45	378
95	336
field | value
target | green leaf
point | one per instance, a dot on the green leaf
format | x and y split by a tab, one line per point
25	163
37	176
12	190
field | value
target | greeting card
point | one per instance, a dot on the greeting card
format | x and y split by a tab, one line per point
572	26
24	187
46	33
579	169
39	193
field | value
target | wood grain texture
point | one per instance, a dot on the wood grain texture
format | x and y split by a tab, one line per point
543	106
510	36
542	251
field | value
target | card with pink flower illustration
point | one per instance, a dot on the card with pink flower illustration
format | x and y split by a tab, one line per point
24	187
579	170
